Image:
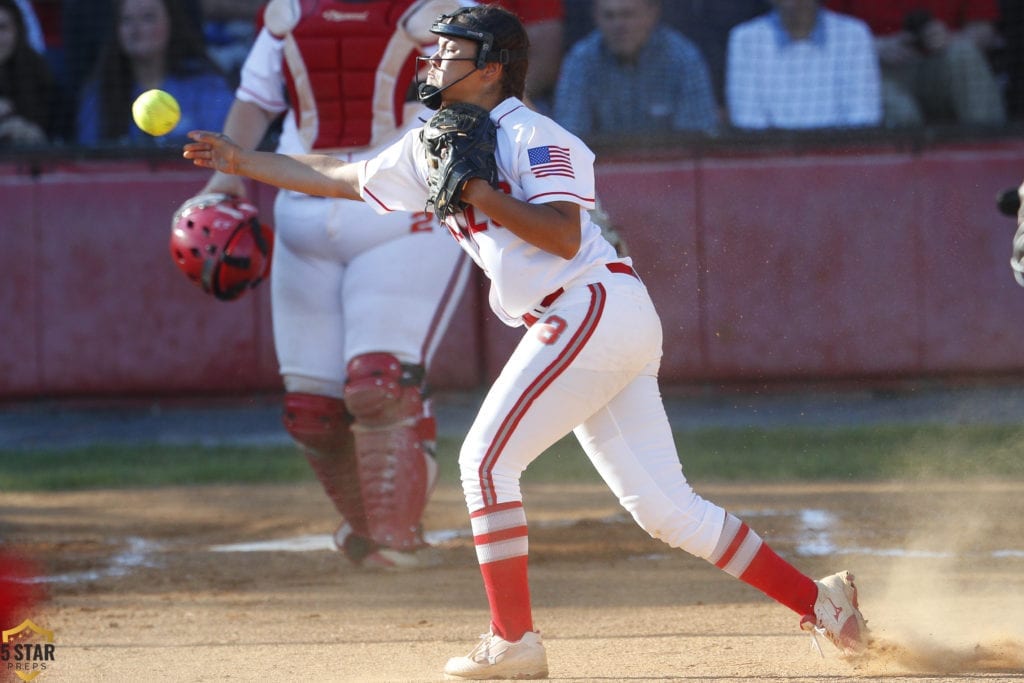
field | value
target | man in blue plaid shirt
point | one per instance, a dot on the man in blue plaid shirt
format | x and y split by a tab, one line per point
634	75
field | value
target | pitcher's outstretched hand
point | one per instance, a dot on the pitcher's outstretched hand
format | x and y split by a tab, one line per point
212	150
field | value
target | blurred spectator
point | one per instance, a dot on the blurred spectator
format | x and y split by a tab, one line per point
544	21
801	66
933	56
634	75
84	26
151	44
707	23
27	90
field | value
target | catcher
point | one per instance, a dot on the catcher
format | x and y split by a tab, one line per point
360	301
514	189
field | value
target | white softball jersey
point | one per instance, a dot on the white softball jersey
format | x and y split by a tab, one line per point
538	162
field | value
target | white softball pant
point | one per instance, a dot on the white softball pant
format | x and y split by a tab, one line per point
346	281
590	365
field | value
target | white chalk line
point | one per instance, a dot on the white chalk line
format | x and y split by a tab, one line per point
815	539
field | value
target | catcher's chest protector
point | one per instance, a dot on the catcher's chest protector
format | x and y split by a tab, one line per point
332	58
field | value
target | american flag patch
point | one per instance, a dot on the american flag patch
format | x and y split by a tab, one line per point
549	161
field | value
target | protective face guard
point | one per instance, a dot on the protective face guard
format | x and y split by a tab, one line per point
444	26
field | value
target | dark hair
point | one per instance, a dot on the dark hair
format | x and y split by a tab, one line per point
25	78
509	34
186	56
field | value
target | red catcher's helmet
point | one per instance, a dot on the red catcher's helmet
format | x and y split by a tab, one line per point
218	242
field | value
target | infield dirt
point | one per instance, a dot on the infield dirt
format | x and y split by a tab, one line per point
138	593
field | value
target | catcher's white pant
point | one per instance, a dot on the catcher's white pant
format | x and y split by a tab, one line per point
346	281
590	366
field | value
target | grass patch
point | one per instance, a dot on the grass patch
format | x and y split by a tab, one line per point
817	454
119	466
856	453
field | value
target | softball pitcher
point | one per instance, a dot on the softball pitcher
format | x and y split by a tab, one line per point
589	359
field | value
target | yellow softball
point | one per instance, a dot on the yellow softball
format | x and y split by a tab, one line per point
156	112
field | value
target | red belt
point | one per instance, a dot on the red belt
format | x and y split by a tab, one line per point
616	267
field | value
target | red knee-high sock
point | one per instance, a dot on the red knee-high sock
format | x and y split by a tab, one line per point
743	554
499	533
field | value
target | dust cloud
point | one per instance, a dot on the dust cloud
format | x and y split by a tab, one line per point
954	603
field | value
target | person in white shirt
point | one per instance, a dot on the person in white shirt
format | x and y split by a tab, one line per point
801	67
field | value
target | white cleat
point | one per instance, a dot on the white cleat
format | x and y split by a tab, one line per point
837	615
389	559
341	534
496	658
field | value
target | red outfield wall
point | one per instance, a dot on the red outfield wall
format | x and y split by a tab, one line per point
764	268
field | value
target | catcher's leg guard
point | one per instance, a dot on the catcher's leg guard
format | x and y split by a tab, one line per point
321	425
386	402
